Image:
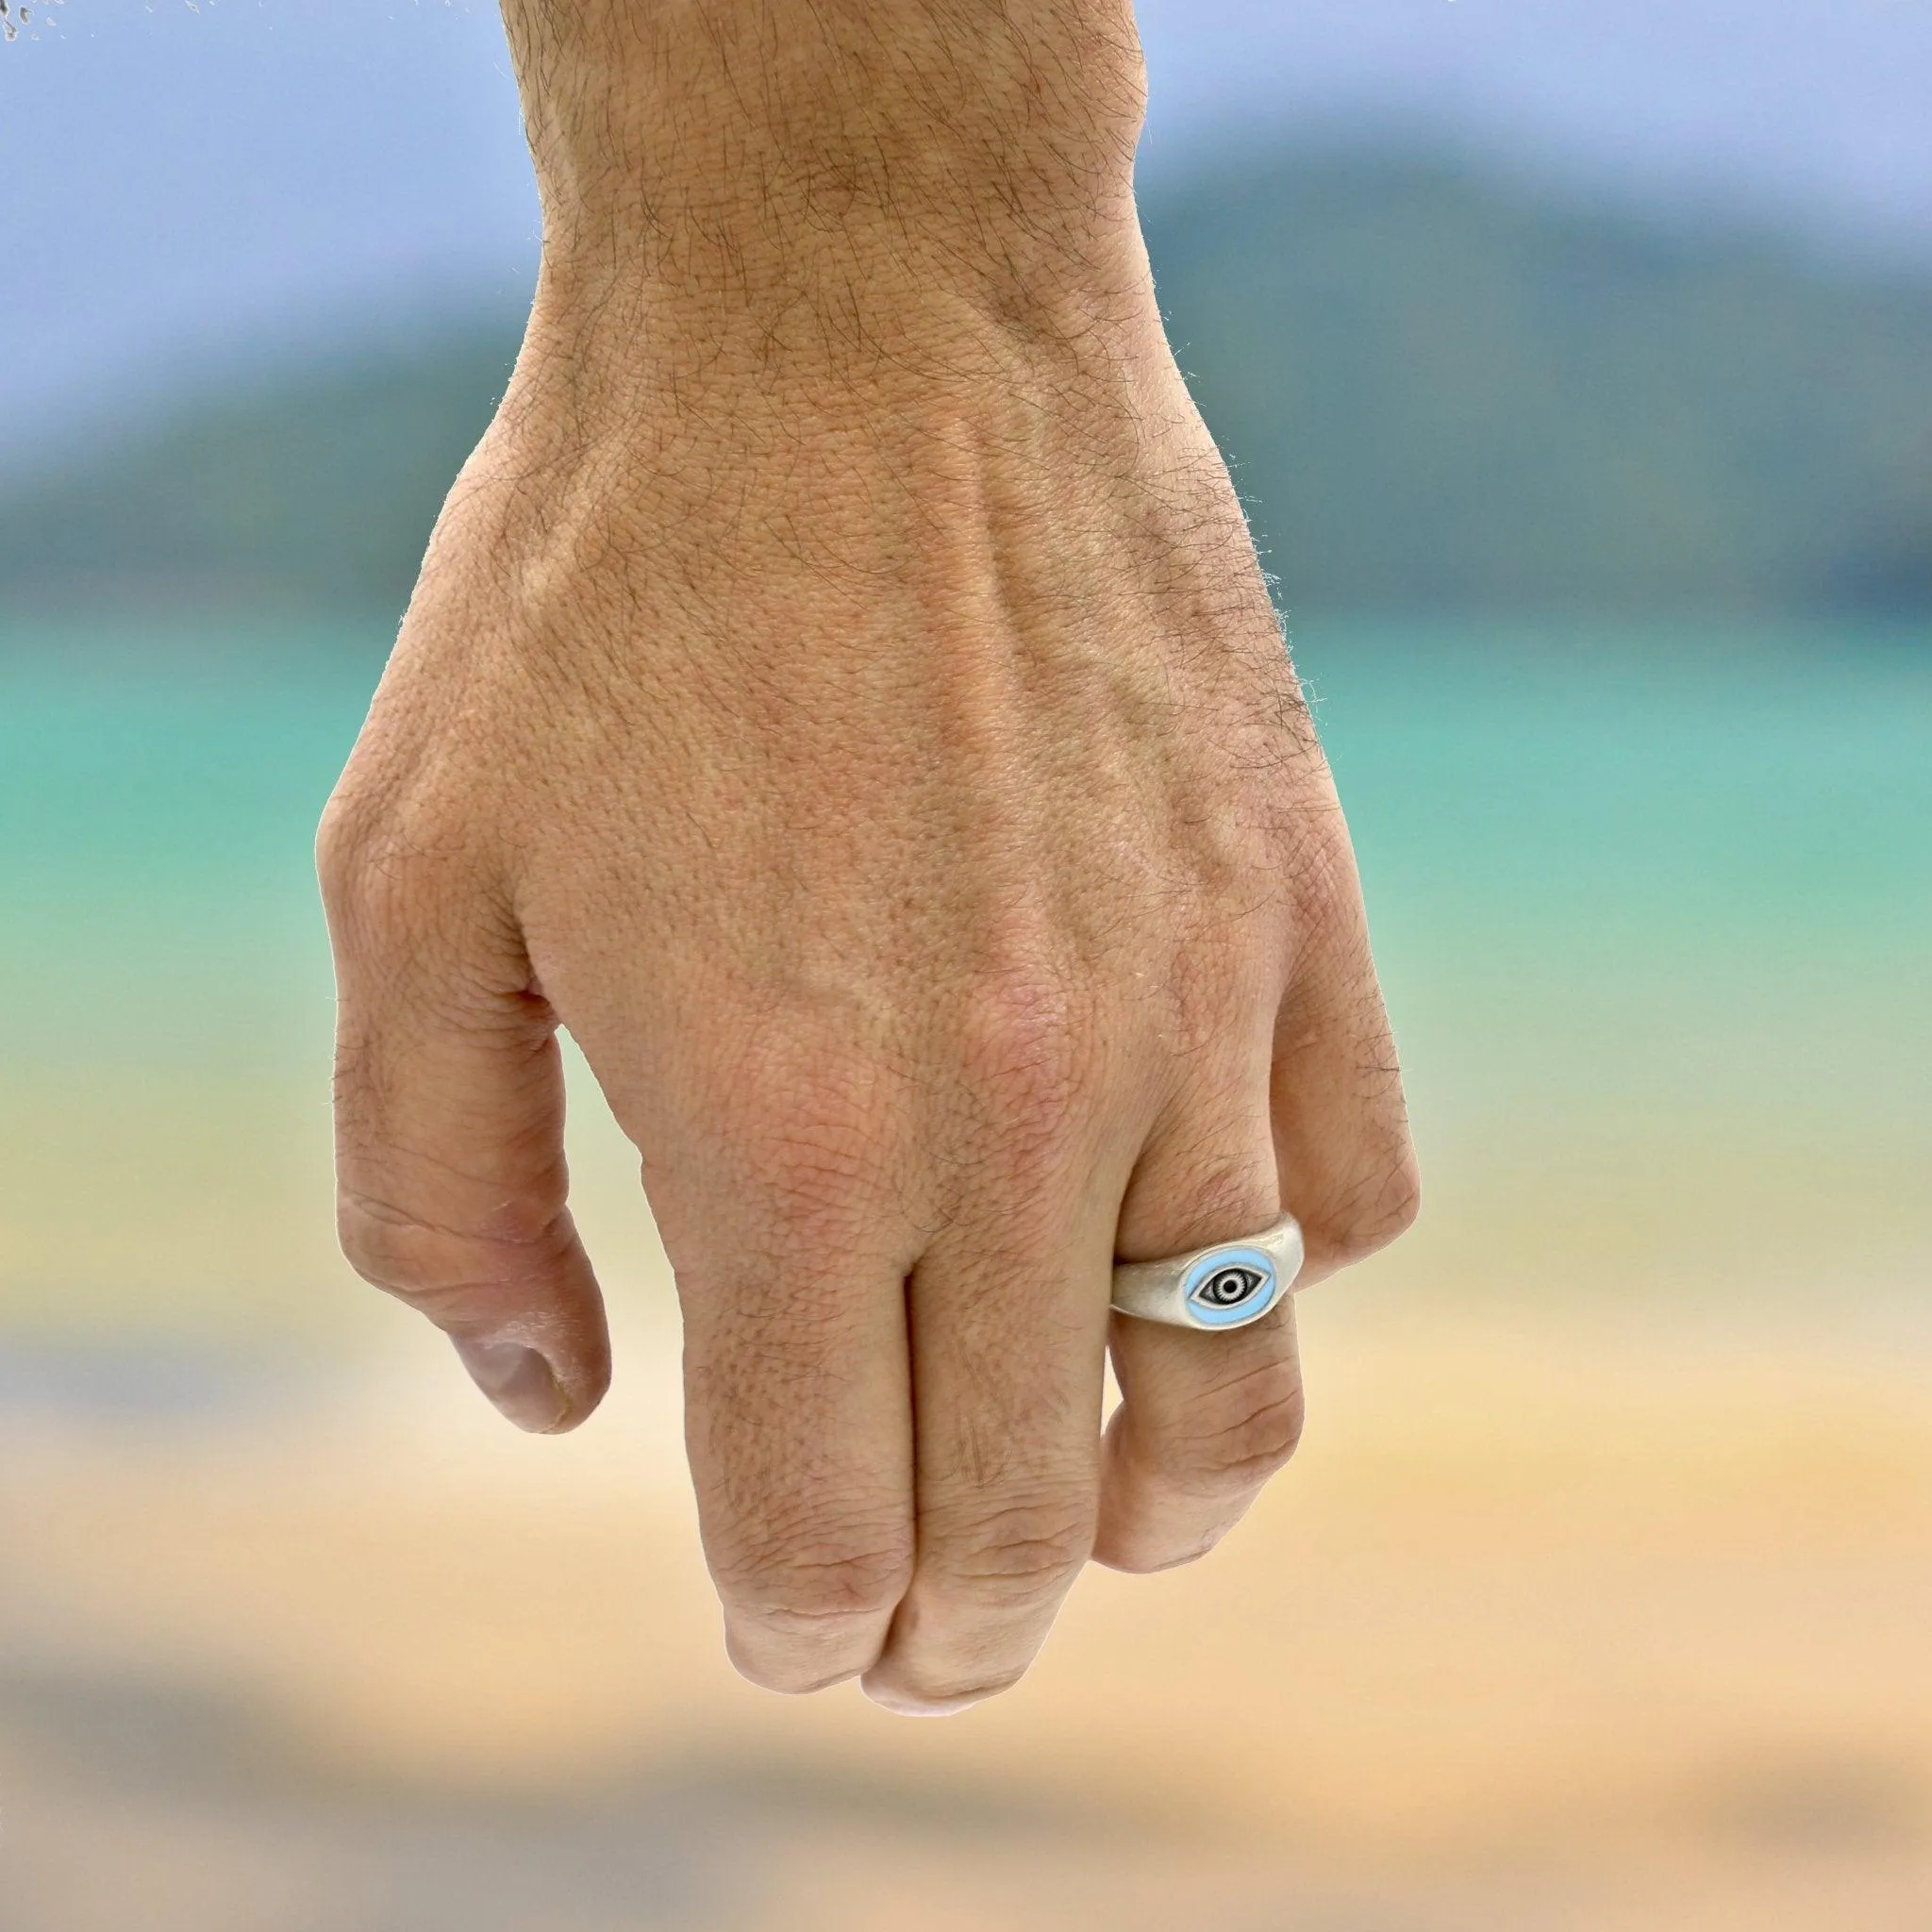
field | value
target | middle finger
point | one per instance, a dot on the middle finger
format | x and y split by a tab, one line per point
1008	1337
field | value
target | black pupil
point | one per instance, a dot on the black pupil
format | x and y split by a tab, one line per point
1230	1286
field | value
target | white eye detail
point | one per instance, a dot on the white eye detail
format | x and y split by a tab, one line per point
1229	1287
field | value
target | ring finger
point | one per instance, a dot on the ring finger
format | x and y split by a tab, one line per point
1205	1419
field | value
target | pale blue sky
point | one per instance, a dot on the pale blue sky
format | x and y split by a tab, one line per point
181	183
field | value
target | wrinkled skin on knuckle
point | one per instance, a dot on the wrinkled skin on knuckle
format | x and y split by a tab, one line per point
1238	1434
375	886
819	1579
418	874
1035	1058
1023	1040
1319	890
1226	1194
933	1685
1013	1554
382	1246
1213	1007
1380	1207
434	1267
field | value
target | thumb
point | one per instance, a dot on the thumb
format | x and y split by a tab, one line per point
452	1186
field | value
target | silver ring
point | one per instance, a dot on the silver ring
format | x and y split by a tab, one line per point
1217	1288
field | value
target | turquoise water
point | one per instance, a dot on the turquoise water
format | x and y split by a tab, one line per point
156	814
1704	864
1655	914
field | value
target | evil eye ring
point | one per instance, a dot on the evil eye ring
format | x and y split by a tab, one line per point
1215	1290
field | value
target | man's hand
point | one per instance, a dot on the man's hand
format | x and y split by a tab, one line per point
843	693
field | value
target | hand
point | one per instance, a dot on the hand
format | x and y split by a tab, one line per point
843	693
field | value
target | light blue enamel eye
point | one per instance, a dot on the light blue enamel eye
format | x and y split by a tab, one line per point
1231	1289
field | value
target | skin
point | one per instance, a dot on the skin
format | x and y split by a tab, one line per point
841	692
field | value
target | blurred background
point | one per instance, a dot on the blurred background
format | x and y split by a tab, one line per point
1576	365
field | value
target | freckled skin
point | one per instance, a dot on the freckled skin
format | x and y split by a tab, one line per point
843	693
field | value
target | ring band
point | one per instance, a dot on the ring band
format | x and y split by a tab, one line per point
1217	1288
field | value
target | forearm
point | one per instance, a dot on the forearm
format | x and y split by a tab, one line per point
804	165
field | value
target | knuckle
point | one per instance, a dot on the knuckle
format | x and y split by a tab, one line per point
1026	1054
1014	1555
356	848
1020	1033
1221	969
431	1264
337	846
816	1587
385	868
378	1243
1225	1195
370	887
1239	1434
1399	1203
1378	1209
1320	869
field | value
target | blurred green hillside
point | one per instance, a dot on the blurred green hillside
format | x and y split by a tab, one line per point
1441	394
308	489
1440	391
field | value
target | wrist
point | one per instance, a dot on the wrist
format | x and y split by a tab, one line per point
802	167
